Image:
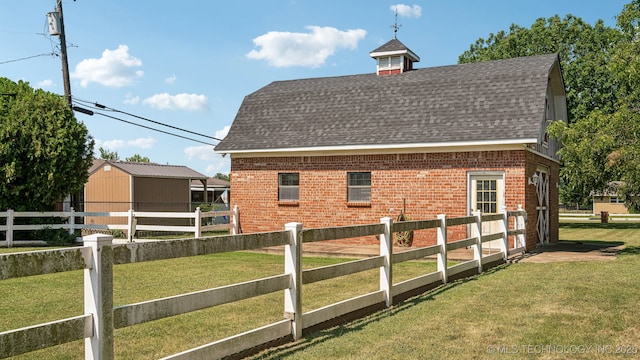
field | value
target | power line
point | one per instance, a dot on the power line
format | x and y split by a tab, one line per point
96	105
88	112
27	58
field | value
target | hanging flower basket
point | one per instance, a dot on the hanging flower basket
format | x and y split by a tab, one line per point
403	238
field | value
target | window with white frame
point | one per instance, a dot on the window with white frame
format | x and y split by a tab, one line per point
487	196
615	200
359	187
391	62
288	187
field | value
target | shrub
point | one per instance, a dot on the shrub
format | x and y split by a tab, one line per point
55	237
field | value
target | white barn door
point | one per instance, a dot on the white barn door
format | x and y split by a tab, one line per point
542	207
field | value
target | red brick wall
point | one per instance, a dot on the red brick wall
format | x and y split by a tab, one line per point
431	184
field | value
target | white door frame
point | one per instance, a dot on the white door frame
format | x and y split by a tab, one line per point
499	176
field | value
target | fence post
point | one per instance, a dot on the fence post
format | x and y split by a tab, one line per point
9	228
72	221
198	223
293	267
442	241
477	248
504	244
98	297
130	225
236	220
386	250
520	225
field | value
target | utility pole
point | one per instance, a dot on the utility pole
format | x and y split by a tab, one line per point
58	29
63	52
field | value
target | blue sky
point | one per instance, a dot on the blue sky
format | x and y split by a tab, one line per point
190	63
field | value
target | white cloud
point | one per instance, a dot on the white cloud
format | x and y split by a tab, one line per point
221	166
116	68
192	102
414	11
131	100
110	144
202	152
142	143
215	162
45	83
221	134
171	79
282	49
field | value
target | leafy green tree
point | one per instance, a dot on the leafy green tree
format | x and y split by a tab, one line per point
604	146
107	154
625	65
45	153
584	52
586	154
222	176
602	77
138	158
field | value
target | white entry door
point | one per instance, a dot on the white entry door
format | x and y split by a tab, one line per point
486	193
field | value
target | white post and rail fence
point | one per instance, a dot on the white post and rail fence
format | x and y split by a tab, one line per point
602	217
98	256
198	223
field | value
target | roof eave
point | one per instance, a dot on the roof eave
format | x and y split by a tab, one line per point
409	53
389	147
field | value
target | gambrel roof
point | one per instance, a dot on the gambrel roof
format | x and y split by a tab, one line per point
500	101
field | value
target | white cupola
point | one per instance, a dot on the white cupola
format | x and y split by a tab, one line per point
393	58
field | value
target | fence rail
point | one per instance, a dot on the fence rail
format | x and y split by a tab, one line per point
598	217
98	256
67	221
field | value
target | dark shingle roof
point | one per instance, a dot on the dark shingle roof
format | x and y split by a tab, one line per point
150	169
501	100
391	45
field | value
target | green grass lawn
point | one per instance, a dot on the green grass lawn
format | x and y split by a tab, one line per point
511	307
32	300
516	309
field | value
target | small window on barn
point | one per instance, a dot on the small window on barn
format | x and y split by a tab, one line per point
615	200
288	187
359	187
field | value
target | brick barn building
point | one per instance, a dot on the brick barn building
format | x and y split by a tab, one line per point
443	140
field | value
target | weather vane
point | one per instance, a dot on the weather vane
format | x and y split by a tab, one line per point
396	26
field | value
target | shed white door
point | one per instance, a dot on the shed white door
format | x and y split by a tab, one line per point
486	193
542	191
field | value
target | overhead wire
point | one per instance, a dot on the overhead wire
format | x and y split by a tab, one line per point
26	58
97	108
150	128
52	53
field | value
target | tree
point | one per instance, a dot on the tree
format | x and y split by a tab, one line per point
625	64
222	176
584	52
601	73
45	153
604	146
138	158
106	154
